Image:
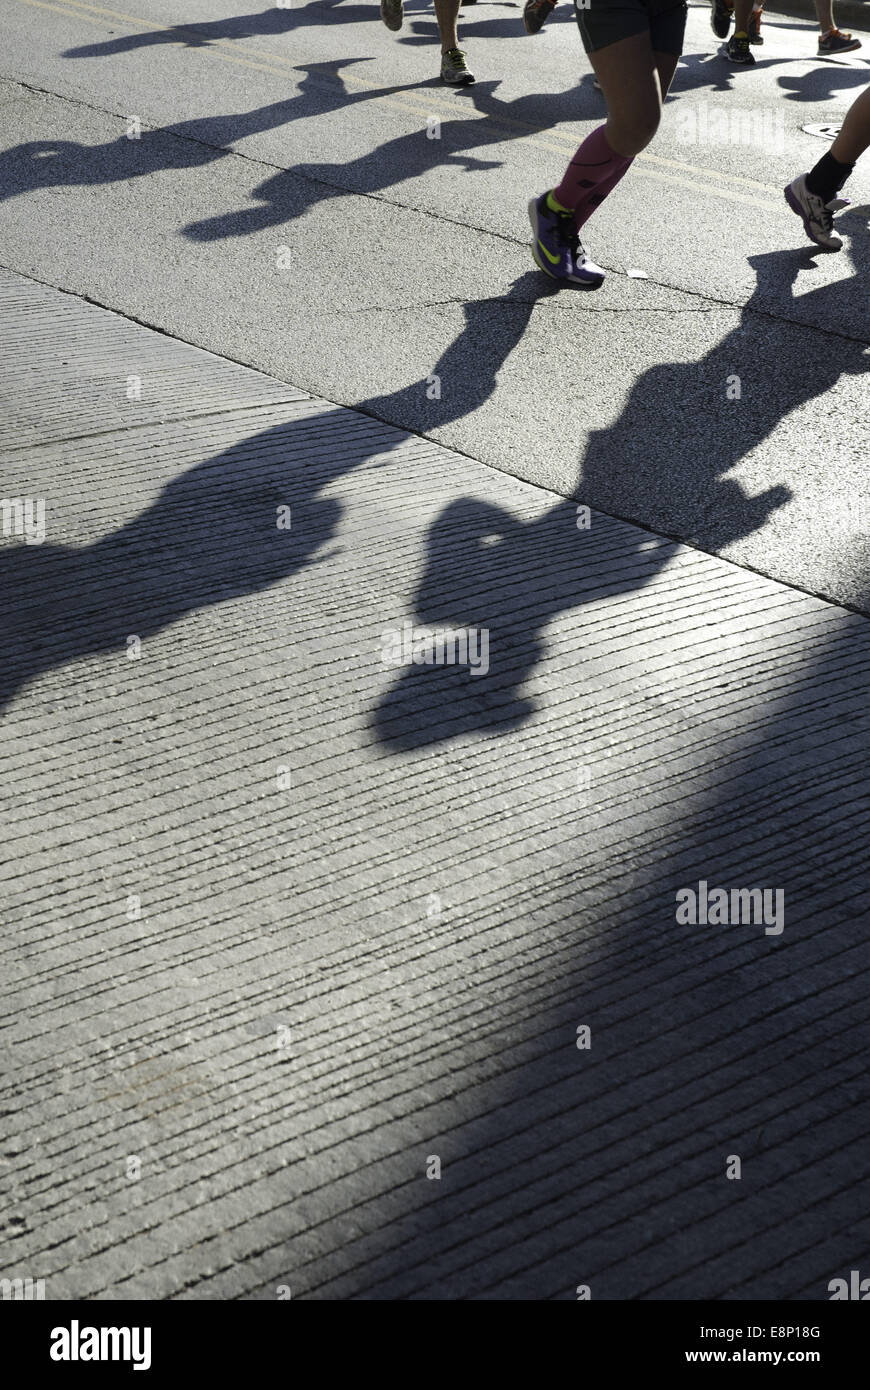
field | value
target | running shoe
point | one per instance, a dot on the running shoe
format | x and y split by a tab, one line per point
454	68
835	41
754	31
721	15
391	13
557	248
536	13
738	49
817	216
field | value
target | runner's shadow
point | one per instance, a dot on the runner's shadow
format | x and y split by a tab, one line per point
423	31
212	535
697	70
190	144
294	191
686	423
466	374
822	82
274	21
695	421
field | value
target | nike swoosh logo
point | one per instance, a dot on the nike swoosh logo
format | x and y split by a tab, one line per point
554	260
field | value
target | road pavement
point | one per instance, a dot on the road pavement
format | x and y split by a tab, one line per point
286	206
334	972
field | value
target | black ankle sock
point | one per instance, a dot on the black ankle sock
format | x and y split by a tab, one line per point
827	177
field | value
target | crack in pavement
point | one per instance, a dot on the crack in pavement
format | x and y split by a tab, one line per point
708	298
535	303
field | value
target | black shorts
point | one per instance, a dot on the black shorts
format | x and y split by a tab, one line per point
602	22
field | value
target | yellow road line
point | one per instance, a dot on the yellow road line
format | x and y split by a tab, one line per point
716	182
225	57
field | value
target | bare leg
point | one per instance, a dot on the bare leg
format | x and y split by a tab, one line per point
447	14
631	81
825	14
742	11
634	80
854	138
667	66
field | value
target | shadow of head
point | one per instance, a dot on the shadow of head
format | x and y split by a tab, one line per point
491	586
233	525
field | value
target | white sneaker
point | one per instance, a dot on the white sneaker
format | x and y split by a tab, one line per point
817	216
392	13
454	69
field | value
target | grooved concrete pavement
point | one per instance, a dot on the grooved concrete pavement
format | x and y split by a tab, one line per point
283	924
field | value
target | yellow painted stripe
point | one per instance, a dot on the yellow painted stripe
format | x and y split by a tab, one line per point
224	57
714	181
